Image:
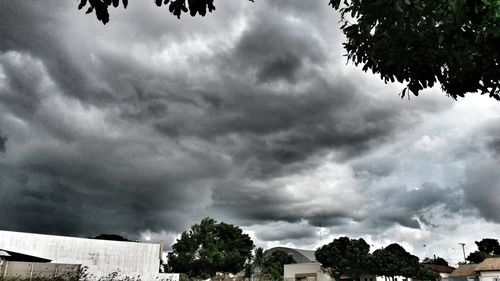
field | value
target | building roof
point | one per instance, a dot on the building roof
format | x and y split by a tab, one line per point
440	268
4	254
14	256
300	255
465	270
489	264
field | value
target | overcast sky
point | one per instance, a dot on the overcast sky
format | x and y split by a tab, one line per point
250	115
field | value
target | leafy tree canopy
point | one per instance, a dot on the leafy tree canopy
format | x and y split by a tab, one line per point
489	246
422	42
394	260
273	265
208	248
344	256
477	257
436	261
258	258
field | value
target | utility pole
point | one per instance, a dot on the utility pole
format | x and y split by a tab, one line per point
463	250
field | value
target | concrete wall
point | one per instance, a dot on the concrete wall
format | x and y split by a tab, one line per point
489	276
168	277
101	257
30	270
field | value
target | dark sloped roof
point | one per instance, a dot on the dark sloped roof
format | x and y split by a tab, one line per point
14	256
465	270
489	264
299	255
440	268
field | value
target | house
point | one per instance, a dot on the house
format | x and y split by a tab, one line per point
308	271
306	268
464	272
444	271
489	269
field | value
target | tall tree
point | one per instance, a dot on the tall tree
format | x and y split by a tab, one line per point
489	246
258	260
273	265
436	261
209	248
394	260
344	256
477	257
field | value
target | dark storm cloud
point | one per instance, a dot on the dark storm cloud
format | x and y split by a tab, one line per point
3	140
405	207
482	180
282	231
493	138
254	203
106	139
379	166
276	49
481	188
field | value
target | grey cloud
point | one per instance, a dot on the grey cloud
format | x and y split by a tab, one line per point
114	143
24	83
482	180
406	207
3	141
494	145
272	202
276	49
481	188
281	232
378	166
492	137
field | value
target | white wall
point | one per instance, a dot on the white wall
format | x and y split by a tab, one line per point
368	277
489	275
102	257
291	270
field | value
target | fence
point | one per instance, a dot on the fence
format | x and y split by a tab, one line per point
34	270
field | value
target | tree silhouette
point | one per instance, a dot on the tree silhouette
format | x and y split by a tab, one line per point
208	248
487	247
176	7
273	265
112	237
424	42
344	256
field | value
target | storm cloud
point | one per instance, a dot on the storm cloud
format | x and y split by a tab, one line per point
250	115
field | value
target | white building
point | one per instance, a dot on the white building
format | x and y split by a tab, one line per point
310	271
489	269
306	268
101	258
